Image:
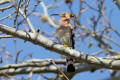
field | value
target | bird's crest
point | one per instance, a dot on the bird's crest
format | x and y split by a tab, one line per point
65	19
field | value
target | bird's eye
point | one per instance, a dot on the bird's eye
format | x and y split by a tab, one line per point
71	15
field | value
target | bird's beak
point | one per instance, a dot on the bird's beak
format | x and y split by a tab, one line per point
54	15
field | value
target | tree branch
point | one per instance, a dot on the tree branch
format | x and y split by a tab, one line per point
42	66
4	1
35	38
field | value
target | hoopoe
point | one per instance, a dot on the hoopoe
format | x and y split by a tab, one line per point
65	36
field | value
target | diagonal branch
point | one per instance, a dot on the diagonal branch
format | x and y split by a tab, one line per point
40	40
4	1
24	15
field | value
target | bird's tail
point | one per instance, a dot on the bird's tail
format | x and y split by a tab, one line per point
70	66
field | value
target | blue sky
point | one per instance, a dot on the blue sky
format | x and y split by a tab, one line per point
43	53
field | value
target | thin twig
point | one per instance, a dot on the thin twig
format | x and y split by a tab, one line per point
59	69
97	53
2	9
26	6
7	16
17	11
26	18
91	6
110	24
44	77
110	39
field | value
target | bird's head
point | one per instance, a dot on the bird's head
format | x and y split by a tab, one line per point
64	18
66	15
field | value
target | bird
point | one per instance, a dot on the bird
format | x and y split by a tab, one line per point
65	36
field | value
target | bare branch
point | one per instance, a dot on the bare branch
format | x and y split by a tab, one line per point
50	21
41	66
50	45
24	15
4	1
8	36
2	9
59	70
7	16
34	63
